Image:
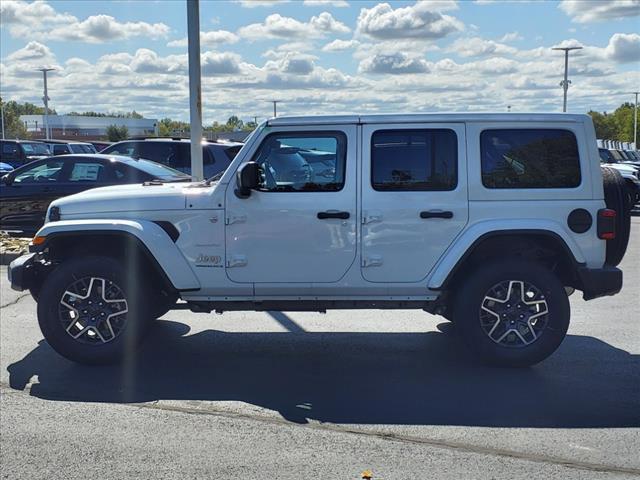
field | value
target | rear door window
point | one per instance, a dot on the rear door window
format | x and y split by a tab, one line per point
414	160
529	158
161	152
89	172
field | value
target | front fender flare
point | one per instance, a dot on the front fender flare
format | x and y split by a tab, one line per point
151	236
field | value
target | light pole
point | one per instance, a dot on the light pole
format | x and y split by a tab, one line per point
635	122
275	111
565	83
195	95
2	116
46	102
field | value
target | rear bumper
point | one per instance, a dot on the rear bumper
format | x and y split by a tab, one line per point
21	272
599	282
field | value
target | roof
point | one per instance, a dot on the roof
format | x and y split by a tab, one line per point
428	117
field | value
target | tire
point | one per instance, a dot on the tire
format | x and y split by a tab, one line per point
616	198
104	292
538	334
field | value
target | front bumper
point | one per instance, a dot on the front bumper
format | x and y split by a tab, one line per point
21	272
599	282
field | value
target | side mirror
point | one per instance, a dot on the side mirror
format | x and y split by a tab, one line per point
247	179
6	179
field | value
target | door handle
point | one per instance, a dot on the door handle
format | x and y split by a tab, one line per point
333	214
436	214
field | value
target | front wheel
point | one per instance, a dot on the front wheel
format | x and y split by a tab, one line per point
512	313
91	311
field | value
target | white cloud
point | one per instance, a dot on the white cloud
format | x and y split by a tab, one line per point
398	63
423	20
328	3
40	20
340	45
260	3
476	47
277	26
32	51
586	11
511	37
624	48
225	63
208	39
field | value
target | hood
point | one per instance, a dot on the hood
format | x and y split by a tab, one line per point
123	198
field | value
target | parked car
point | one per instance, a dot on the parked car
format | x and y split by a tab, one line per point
628	171
5	168
101	145
65	147
18	152
176	153
490	220
26	192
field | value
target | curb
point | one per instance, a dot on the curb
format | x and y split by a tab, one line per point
8	257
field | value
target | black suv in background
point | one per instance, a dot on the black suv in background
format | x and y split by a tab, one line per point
176	153
18	152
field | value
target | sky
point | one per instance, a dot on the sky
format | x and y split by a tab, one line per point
321	56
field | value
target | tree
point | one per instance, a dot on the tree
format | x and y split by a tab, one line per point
116	133
615	126
13	126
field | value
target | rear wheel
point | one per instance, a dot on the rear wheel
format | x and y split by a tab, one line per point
91	311
512	313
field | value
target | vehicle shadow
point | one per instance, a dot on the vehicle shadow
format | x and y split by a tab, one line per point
358	378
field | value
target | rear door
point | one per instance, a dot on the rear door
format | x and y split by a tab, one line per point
414	198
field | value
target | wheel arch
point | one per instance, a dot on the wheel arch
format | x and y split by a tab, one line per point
147	243
532	244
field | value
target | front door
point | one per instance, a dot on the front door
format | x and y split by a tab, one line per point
299	226
414	198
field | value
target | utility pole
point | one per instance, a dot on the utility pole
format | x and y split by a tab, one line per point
195	95
565	83
2	116
45	99
275	112
635	122
255	120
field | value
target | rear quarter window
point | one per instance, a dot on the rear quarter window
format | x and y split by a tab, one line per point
529	158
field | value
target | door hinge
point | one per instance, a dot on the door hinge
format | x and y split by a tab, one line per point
236	261
371	218
372	261
235	219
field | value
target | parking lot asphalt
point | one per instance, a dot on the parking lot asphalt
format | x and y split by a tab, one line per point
304	395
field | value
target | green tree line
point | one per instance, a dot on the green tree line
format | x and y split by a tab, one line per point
617	125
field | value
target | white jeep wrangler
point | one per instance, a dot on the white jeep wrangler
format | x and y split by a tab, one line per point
490	220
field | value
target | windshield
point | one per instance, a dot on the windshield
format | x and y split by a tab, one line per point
82	148
35	148
159	171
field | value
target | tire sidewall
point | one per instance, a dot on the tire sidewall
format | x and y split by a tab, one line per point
469	301
53	330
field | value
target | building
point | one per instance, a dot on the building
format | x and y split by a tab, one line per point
87	128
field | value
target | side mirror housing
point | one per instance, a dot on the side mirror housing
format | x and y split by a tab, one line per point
247	179
6	179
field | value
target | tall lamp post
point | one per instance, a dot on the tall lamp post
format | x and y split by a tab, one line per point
275	110
46	99
195	95
565	83
635	122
